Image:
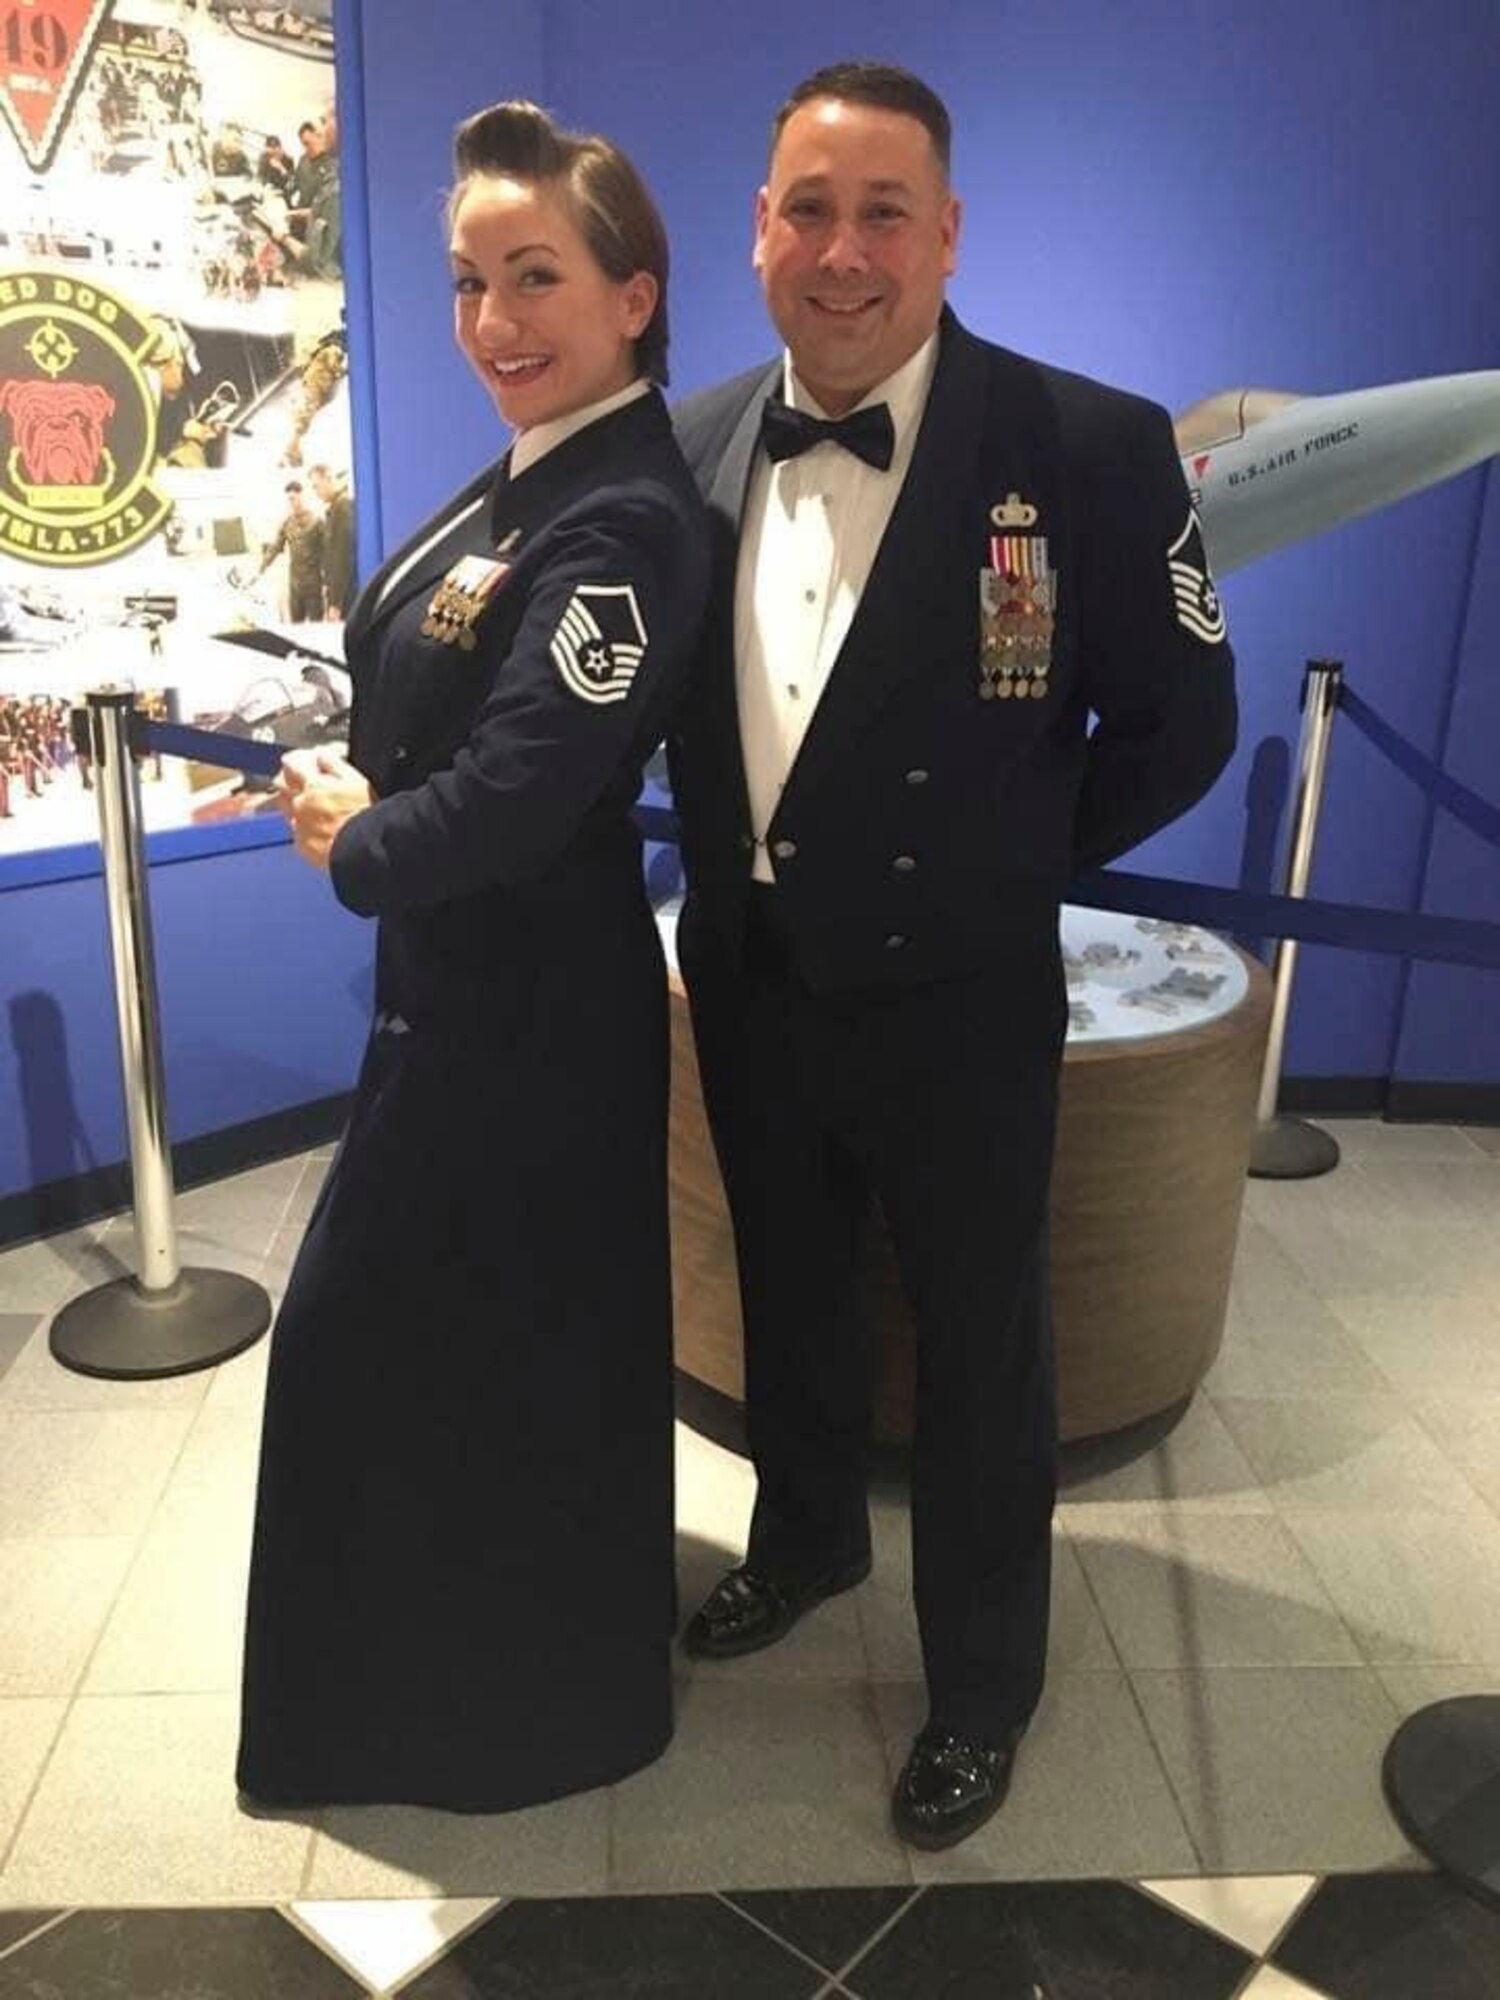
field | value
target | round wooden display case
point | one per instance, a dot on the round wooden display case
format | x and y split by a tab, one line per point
1159	1084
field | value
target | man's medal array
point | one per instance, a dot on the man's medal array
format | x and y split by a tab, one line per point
460	598
1017	603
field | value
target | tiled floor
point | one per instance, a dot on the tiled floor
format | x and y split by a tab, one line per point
1243	1613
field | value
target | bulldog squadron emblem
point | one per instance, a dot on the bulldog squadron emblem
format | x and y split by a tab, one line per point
77	423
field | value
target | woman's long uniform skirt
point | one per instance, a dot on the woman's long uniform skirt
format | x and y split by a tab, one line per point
461	1590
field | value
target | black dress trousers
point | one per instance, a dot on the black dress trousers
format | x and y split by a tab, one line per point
940	1101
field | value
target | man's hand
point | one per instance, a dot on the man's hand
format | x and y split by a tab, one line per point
319	791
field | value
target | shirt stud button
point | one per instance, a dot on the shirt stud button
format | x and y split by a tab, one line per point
895	941
904	863
916	776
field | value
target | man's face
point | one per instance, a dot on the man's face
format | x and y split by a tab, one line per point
297	500
855	233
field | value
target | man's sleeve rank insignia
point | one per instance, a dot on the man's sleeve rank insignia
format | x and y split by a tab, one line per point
600	641
1193	595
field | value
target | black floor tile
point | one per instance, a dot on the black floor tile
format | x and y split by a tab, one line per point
16	1924
169	1954
617	1948
829	1925
1046	1941
1394	1937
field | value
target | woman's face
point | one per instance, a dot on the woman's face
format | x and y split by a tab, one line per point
542	327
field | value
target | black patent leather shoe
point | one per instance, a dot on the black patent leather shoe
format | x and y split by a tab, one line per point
744	1612
950	1786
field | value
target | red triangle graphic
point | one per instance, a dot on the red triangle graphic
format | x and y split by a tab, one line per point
44	53
1200	463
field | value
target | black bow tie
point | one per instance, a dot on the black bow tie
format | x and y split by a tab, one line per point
869	434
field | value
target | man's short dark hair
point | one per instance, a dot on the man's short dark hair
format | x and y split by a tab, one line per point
882	85
294	486
305	127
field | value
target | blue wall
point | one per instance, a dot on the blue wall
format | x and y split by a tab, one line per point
1178	198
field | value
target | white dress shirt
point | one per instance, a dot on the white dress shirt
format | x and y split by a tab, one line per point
530	445
811	529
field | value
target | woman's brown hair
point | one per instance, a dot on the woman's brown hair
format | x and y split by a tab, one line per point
616	215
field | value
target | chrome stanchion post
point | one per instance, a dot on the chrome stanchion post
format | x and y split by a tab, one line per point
1289	1148
163	1320
123	845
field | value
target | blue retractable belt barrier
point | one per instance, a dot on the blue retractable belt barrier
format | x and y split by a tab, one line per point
1467	807
209	746
1448	940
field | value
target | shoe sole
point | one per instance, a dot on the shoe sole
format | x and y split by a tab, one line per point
834	1587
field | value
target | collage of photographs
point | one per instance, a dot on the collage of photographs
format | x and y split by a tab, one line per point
176	497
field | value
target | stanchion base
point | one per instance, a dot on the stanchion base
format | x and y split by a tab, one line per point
125	1332
1441	1777
1289	1149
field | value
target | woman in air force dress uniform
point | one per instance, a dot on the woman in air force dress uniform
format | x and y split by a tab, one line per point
461	1591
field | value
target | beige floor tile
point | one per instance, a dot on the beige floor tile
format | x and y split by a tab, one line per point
715	1493
16	1330
1441	1195
1280	1338
178	1627
1411	1688
56	1594
305	1194
242	1379
771	1785
1188	1590
1372	1229
1197	1465
1410	1587
1277	1768
28	1729
1441	1345
1088	1796
1271	1983
206	1241
384	1943
138	1806
85	1472
247	1209
1469	1432
1485	1137
560	1849
1366	1139
38	1276
1345	1451
35	1381
212	1485
1250	1910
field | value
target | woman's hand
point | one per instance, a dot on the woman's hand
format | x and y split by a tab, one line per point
320	791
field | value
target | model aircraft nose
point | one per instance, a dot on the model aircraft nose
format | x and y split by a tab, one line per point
1267	469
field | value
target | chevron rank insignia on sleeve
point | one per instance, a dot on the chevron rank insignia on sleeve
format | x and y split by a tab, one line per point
600	641
1193	595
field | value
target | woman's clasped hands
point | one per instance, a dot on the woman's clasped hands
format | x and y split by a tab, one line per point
317	792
